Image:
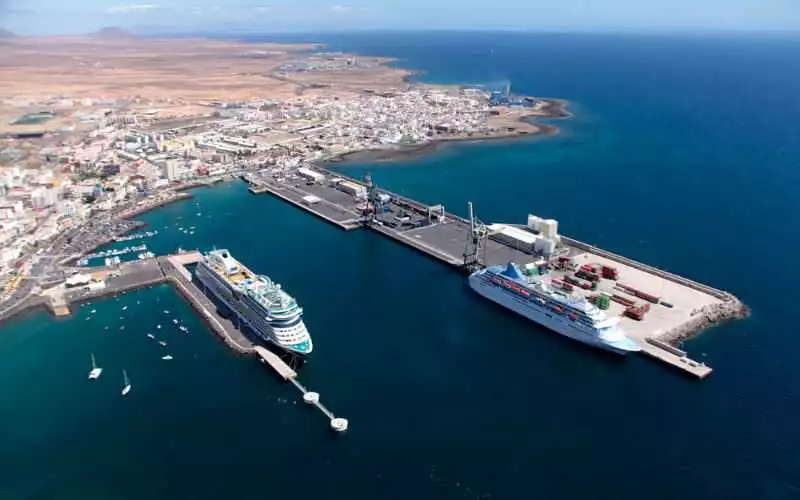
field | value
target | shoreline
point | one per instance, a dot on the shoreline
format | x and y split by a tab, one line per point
555	109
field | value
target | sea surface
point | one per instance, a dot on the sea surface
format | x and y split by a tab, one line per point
683	152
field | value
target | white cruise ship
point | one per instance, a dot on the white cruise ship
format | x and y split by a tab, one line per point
571	314
259	302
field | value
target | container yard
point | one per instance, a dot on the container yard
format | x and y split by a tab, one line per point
657	309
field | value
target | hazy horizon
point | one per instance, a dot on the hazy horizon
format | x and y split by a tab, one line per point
50	17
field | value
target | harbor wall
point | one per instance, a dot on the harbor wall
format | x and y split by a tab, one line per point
152	206
23	307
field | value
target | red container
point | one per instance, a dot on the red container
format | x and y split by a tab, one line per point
610	273
622	300
634	313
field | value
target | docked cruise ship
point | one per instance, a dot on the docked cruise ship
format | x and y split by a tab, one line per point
259	302
569	314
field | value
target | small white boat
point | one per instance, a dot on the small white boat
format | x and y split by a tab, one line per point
122	327
166	311
95	372
124	308
183	329
162	343
94	311
88	318
167	357
175	321
126	384
158	326
151	336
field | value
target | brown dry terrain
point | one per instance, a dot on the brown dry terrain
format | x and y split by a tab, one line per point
160	69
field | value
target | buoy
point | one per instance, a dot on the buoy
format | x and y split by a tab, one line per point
339	424
311	397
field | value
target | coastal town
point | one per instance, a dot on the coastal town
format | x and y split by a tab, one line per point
73	170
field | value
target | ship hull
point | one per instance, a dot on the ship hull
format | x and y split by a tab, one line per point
248	316
540	315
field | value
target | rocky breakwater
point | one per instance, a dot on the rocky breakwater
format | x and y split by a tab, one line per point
731	308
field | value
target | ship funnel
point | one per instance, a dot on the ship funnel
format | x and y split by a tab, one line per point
512	271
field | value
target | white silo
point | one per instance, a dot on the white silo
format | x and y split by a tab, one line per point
534	222
549	228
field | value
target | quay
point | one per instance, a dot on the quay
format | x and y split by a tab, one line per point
329	210
467	245
174	268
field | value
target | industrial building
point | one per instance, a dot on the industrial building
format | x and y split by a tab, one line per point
351	188
311	175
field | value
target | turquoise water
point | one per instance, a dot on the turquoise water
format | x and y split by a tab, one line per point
682	153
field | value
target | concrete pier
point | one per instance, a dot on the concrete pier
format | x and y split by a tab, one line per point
176	272
694	306
287	373
346	218
317	404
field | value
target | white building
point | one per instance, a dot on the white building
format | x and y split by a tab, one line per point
9	255
10	210
171	169
43	198
311	175
72	208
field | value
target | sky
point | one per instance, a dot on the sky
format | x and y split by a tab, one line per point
41	17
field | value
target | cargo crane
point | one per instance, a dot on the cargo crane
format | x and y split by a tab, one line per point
475	247
369	206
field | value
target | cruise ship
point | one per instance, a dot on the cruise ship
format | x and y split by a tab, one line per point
569	314
258	301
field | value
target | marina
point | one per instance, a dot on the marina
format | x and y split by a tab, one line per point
657	309
136	236
117	252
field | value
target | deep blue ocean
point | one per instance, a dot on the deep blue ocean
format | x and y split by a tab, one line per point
682	152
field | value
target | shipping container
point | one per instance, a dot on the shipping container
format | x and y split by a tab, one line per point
622	300
634	313
610	273
647	297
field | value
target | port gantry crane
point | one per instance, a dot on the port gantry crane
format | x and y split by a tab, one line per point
475	248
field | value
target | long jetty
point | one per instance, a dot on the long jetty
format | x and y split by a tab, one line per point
445	236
